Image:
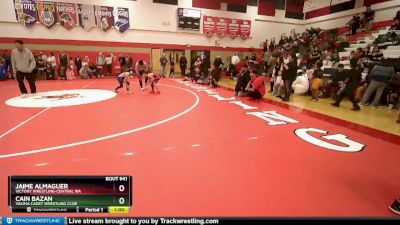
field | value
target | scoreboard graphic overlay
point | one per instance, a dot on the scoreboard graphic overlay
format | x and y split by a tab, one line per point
87	194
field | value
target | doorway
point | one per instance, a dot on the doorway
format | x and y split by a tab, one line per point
173	54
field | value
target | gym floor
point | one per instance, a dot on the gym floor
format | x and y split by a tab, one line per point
198	152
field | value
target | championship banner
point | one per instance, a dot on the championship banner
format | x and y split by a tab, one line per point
233	28
46	13
66	15
104	17
311	5
337	2
209	26
222	27
86	16
245	28
25	11
122	19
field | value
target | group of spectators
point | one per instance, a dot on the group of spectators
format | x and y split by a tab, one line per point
65	67
303	64
363	21
204	72
164	61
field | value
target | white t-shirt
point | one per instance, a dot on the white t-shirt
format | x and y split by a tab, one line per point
52	61
109	60
235	60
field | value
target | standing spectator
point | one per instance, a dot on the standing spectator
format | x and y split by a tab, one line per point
100	62
171	67
7	57
215	76
351	82
369	15
71	69
256	88
41	64
23	63
122	63
338	81
53	63
78	63
163	63
272	45
205	65
183	64
109	62
380	75
242	81
277	77
270	69
284	40
354	24
234	61
265	45
218	63
3	73
129	62
63	65
289	75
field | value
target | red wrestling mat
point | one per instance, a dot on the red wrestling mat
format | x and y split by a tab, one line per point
193	155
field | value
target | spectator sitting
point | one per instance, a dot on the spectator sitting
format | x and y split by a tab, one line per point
328	61
86	72
335	56
359	53
316	81
376	54
255	88
243	80
50	72
301	84
197	63
315	55
352	54
395	25
196	75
